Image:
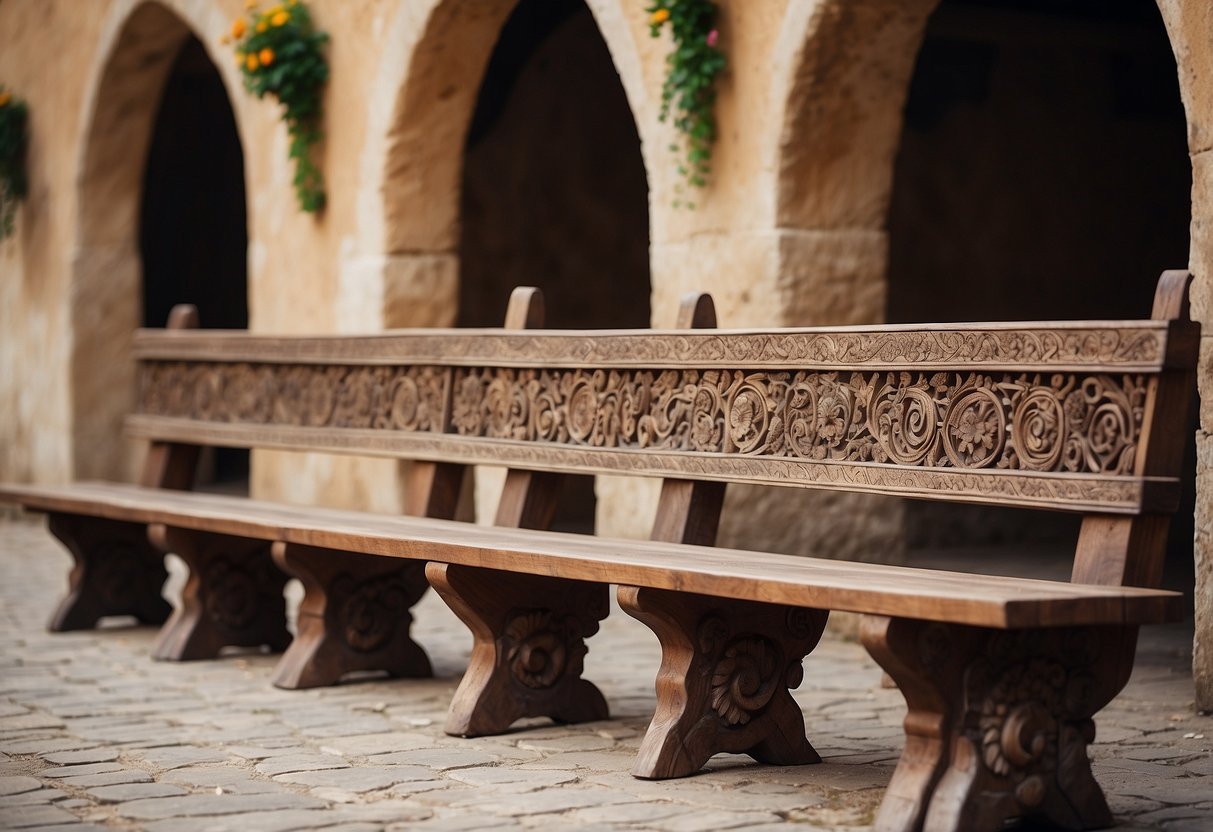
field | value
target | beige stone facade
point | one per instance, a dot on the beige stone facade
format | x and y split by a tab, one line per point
798	225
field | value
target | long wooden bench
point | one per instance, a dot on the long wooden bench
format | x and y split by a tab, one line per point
1002	676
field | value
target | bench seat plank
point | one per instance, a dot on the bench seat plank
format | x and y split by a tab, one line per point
959	598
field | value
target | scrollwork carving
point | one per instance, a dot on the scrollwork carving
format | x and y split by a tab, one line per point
370	611
745	678
938	420
888	428
298	395
1030	703
231	594
541	647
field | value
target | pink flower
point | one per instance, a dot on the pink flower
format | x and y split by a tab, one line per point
712	37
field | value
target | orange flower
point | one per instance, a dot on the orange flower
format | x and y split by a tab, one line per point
280	18
239	27
239	56
267	56
5	97
250	63
261	26
660	16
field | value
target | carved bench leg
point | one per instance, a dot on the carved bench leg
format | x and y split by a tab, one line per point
233	597
529	647
354	616
117	572
726	670
998	723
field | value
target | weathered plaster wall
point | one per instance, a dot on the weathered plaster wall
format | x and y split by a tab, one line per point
35	264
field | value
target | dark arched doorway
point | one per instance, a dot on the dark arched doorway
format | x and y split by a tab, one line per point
1043	172
554	190
192	224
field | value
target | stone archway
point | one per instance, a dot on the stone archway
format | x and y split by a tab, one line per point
1042	172
462	146
850	69
106	297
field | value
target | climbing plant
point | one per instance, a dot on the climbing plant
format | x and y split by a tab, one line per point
689	91
280	53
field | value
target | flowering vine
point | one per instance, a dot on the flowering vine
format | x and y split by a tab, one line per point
690	83
14	139
279	53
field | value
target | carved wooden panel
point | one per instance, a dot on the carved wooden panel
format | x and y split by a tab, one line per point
387	398
667	405
1087	424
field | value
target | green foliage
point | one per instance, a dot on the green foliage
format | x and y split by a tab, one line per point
689	90
279	52
14	139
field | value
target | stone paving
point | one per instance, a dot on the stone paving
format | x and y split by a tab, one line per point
94	734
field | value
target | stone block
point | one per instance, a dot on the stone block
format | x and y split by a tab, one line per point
1202	647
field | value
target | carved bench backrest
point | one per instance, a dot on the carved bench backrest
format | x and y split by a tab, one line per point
1051	415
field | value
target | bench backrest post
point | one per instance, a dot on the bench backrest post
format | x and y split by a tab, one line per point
688	511
528	498
432	488
173	464
1130	551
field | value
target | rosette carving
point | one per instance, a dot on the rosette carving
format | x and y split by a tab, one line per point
975	428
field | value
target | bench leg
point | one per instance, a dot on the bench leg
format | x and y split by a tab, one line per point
726	670
233	597
528	647
999	722
117	572
354	616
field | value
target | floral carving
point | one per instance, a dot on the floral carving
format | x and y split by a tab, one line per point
542	647
392	398
1030	702
1086	424
888	427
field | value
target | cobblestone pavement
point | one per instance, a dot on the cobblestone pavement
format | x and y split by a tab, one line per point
94	734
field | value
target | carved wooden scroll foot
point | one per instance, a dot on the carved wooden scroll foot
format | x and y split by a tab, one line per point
999	722
726	670
233	597
354	616
529	646
116	572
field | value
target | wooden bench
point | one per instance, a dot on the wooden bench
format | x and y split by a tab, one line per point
1002	676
